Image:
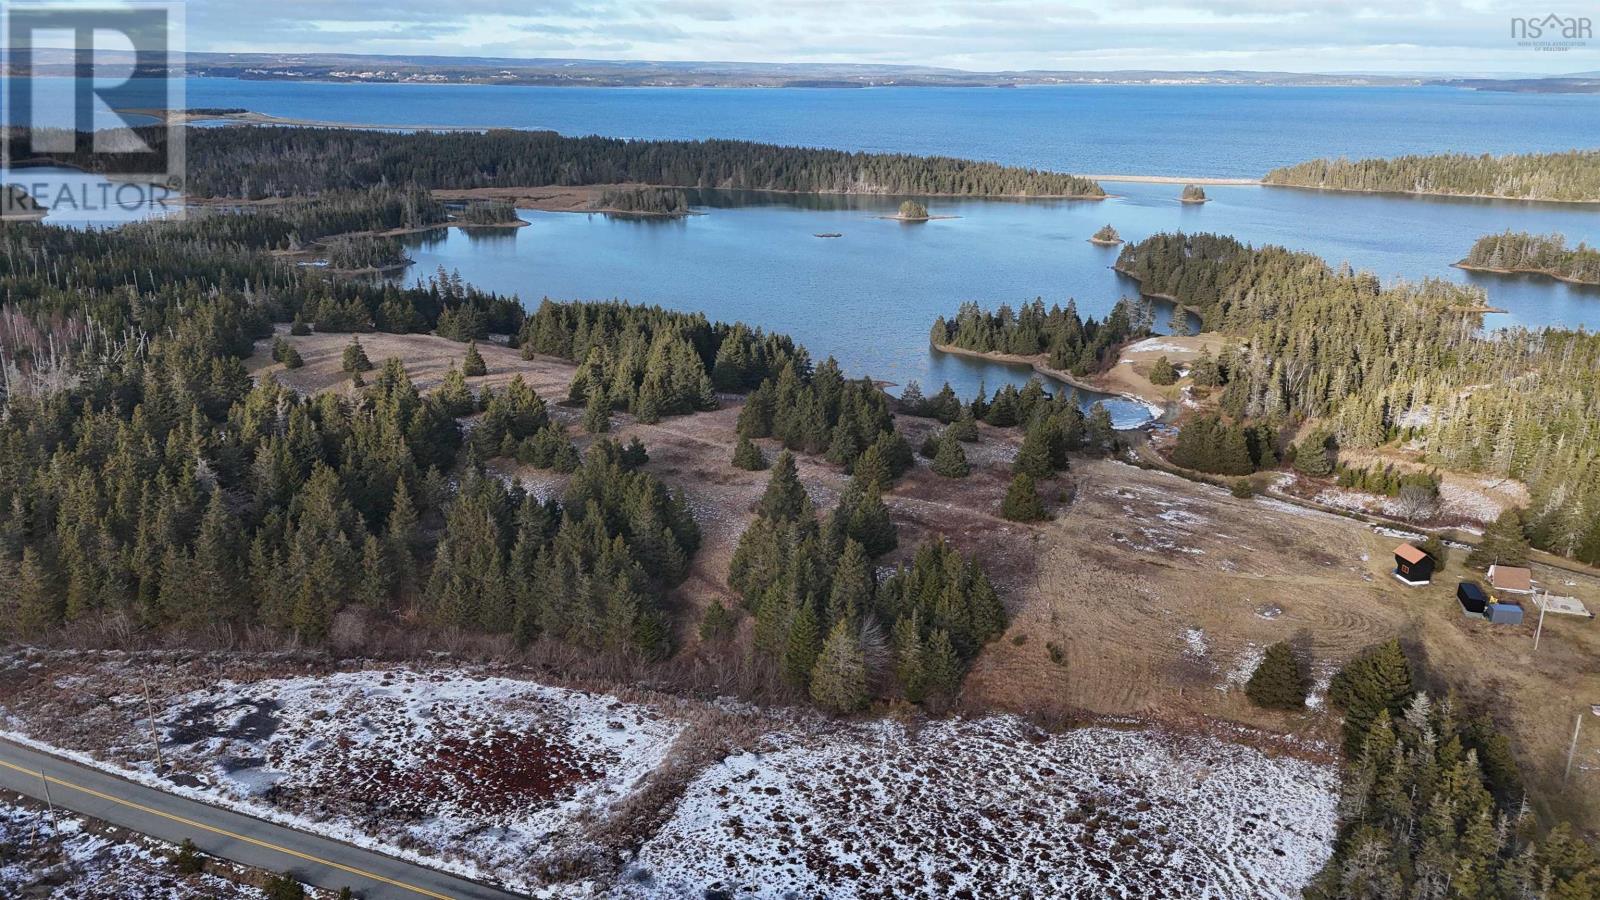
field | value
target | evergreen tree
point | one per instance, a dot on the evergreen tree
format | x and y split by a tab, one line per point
299	328
1035	458
355	359
785	498
839	679
1279	681
942	667
802	647
188	860
1313	456
909	662
597	411
473	365
1377	681
747	456
1503	543
952	460
1163	373
1022	500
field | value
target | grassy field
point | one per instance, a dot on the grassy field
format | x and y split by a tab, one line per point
1147	596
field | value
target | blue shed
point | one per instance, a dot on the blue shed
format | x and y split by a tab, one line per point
1504	614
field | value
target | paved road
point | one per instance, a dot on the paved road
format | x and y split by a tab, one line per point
315	860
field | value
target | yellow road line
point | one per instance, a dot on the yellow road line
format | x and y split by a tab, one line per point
225	833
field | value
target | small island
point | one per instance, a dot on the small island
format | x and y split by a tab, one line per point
1106	237
912	211
643	201
1534	254
1193	193
488	214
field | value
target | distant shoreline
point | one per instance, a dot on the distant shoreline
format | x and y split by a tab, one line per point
1174	179
1424	194
1158	406
1546	273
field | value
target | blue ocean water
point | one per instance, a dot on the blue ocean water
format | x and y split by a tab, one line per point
869	296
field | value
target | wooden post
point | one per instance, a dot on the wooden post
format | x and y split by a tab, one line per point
1540	630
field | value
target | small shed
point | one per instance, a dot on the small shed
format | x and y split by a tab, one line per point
1412	566
1473	600
1511	579
1504	613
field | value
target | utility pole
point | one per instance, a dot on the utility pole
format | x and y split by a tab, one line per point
1572	749
155	736
49	804
1540	630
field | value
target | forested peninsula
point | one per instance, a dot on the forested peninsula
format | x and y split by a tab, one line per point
1402	361
1570	177
1538	254
260	162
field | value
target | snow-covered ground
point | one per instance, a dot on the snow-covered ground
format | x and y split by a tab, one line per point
483	776
60	858
505	779
494	771
993	808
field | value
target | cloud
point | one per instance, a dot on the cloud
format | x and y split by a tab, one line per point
1302	35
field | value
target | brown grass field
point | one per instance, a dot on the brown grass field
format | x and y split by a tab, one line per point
1147	596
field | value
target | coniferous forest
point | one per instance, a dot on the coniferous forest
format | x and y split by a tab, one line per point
1400	362
1544	254
252	163
1571	176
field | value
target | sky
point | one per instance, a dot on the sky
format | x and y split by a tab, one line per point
1428	36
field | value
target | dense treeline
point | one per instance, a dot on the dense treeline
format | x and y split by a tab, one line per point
645	200
487	212
294	224
1546	254
1431	801
652	361
279	162
151	483
825	621
1072	343
1572	176
1407	362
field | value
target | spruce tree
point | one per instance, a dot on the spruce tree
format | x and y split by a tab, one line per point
355	359
1279	681
299	328
909	663
597	412
1312	456
785	499
1379	680
1022	500
747	456
1034	457
839	679
851	594
1163	373
1503	543
473	365
964	428
801	647
952	460
942	667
